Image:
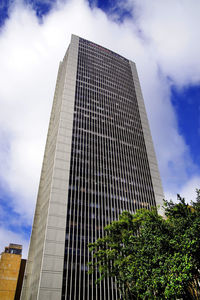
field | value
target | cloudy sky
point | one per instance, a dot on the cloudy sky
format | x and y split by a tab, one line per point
162	37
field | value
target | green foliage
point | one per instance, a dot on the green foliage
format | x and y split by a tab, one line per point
153	257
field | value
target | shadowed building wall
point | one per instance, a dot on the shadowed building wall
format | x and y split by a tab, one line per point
20	279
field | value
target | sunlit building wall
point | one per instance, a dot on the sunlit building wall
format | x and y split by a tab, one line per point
9	270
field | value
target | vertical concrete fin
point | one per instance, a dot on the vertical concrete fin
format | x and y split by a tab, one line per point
155	175
44	270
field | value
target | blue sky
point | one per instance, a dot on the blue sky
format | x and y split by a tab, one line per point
34	35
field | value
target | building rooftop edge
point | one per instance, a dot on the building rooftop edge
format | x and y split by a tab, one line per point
113	52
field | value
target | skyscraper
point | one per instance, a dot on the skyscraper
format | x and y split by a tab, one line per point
99	160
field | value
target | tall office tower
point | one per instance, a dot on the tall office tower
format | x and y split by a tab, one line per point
99	160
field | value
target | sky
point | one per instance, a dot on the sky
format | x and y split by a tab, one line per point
161	37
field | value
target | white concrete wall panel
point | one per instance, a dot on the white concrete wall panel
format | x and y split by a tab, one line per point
43	275
155	175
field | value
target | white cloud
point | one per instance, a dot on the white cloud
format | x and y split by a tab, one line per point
172	29
30	53
188	191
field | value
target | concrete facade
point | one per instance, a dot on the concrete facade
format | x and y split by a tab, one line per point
99	160
155	174
43	275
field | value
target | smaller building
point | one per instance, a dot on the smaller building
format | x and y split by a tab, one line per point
9	270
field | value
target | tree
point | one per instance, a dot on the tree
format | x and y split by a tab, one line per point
153	257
